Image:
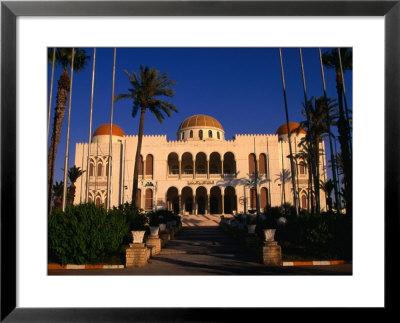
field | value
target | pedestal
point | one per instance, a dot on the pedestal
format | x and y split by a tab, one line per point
137	255
154	244
164	236
171	233
271	254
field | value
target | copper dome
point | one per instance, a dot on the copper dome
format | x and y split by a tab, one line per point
283	130
105	130
200	121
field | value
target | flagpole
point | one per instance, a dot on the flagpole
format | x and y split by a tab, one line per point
90	127
68	127
295	199
333	159
316	185
269	176
110	142
51	92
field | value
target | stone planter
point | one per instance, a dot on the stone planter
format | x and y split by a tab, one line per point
251	228
163	227
269	234
281	221
154	231
138	236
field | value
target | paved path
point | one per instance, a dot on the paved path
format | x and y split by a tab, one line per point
209	251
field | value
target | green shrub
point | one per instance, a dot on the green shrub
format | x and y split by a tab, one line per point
324	236
135	216
85	233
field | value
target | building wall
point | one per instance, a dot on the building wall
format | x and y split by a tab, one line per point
124	151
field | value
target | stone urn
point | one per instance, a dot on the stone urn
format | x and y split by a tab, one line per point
138	236
154	231
163	227
281	221
269	234
251	228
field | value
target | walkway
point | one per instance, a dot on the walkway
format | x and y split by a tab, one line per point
209	251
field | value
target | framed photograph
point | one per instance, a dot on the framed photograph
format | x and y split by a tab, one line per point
28	28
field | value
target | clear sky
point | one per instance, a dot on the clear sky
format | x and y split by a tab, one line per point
240	87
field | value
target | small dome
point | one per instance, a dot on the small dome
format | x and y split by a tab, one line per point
105	130
283	130
200	121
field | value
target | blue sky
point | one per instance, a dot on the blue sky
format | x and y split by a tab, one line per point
240	87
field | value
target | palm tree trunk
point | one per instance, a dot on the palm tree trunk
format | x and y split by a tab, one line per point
317	174
71	194
62	98
137	159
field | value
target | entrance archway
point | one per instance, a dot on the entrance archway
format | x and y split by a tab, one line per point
201	200
173	200
187	200
215	200
230	198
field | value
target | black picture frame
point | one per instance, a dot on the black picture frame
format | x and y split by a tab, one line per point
10	10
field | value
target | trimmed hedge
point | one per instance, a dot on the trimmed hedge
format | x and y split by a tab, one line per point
85	233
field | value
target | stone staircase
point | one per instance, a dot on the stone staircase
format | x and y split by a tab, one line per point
201	220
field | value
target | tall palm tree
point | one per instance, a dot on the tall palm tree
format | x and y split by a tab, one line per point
146	88
63	59
317	126
58	189
73	174
331	60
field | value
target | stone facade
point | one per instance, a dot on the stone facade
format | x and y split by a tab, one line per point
192	175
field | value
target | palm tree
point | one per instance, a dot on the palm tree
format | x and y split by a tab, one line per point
317	127
63	59
328	187
147	87
331	60
73	174
58	189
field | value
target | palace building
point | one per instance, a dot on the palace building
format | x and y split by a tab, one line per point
200	173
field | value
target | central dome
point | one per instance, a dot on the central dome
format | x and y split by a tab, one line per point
200	121
200	127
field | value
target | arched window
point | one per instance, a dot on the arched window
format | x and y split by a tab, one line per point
99	169
149	165
218	135
253	198
209	134
302	168
252	164
98	201
262	164
91	169
107	169
148	205
201	134
263	198
191	134
303	201
183	135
